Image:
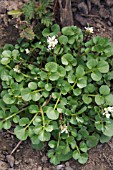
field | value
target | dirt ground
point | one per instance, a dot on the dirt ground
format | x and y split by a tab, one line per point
96	13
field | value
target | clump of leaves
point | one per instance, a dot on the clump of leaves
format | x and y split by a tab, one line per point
58	95
30	15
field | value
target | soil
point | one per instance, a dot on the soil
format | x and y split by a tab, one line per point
96	13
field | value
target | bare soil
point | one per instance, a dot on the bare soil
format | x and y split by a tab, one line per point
96	13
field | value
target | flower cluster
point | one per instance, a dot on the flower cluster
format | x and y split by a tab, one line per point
52	41
64	128
107	111
89	30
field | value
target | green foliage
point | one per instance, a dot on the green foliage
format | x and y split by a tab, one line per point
58	95
33	12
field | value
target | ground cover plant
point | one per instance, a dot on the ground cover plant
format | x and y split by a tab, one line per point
57	89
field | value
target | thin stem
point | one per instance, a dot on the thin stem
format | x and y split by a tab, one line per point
57	101
42	113
31	120
7	118
74	84
58	140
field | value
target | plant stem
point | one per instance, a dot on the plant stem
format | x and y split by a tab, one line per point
7	118
31	120
58	140
57	101
42	113
74	84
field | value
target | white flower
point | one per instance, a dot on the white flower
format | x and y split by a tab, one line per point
107	115
16	69
89	30
110	109
63	128
27	51
52	41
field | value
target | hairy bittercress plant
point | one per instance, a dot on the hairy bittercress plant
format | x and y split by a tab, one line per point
59	92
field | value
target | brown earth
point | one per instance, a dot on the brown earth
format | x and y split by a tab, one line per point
96	13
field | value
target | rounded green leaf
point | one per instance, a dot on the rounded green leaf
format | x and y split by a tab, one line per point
6	53
109	99
96	76
76	154
99	99
5	61
52	114
80	71
104	89
33	109
23	121
103	66
83	158
20	133
32	85
51	67
66	59
77	91
8	99
63	39
48	86
82	82
91	63
83	147
26	94
86	99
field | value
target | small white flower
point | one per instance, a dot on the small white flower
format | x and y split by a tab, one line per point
52	42
110	109
107	115
16	69
27	51
89	30
63	128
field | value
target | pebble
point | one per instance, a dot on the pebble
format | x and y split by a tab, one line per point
10	160
69	168
39	168
109	2
3	165
59	167
44	159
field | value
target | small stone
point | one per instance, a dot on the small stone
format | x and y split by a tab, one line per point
59	167
39	168
67	164
83	8
69	168
10	160
3	165
44	159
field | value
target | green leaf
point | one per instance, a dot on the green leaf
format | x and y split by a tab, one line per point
83	158
51	67
63	39
15	13
68	31
77	91
83	147
99	99
91	63
52	144
104	139
96	76
44	136
26	94
82	82
66	59
35	140
104	89
71	77
35	96
33	109
108	129
46	32
80	71
54	76
5	61
86	99
28	34
48	86
32	85
7	125
20	133
103	66
15	53
109	99
23	121
49	128
61	71
52	114
92	141
8	99
6	53
76	155
13	109
55	28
